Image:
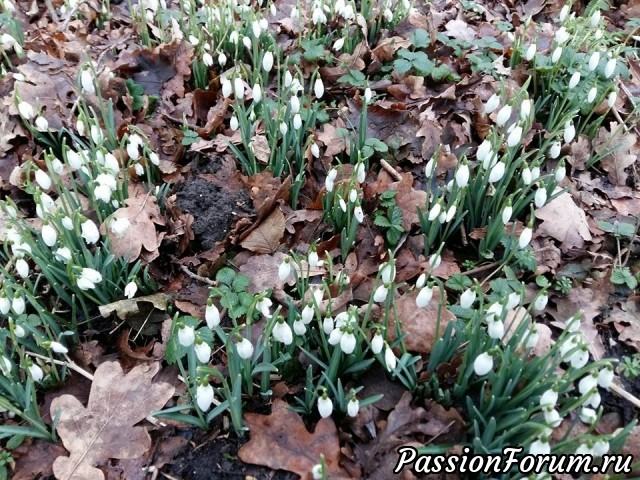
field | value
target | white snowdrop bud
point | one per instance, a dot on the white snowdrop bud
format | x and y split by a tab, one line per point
496	329
22	267
256	93
315	150
377	342
294	102
203	351
503	115
103	193
588	415
595	18
497	172
560	172
563	13
541	302
284	270
282	332
154	158
540	447
353	407
434	212
283	128
610	67
5	366
358	214
588	383
594	61
600	447
611	99
5	303
246	41
562	35
525	237
318	88
421	281
569	131
119	226
506	214
390	359
267	62
342	204
387	273
361	172
222	61
338	44
227	88
317	472
434	261
42	125
325	406
335	336
492	104
26	110
540	197
552	417
212	315
244	348
514	137
63	255
424	297
130	289
186	336
49	235
367	95
327	325
297	121
207	59
525	109
234	124
531	52
86	82
554	150
36	373
555	56
574	80
89	232
549	398
204	397
462	175
605	377
468	298
348	343
430	168
483	150
238	88
380	295
483	364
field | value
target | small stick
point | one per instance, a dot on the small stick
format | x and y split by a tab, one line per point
195	276
621	392
390	170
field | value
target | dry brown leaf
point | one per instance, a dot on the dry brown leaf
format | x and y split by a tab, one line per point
625	151
105	429
408	200
330	139
263	272
460	29
125	308
266	238
420	323
143	213
261	149
281	441
564	221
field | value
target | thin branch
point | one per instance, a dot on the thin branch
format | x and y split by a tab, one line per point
621	392
195	276
390	170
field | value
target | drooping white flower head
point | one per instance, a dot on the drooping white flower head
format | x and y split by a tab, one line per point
267	61
390	359
325	406
186	336
282	332
353	407
483	364
244	348
131	289
204	396
202	350
492	104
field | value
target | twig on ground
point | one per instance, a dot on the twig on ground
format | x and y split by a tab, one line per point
621	392
195	276
390	170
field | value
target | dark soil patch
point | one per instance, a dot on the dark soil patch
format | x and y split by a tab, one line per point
214	209
218	460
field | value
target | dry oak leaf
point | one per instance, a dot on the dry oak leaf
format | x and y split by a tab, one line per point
564	221
104	428
619	150
266	238
420	323
143	214
408	200
281	441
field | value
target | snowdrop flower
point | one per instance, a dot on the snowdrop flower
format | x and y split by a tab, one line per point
594	61
503	115
554	150
600	448
256	29
318	88
549	398
562	36
186	335
434	212
26	110
119	226
42	125
574	80
462	175
204	397
307	314
483	364
233	123
588	415
347	343
540	197
335	335
18	331
294	103
317	472
299	328
36	372
552	417
497	172
483	150
424	297
361	174
130	289
588	383
89	231
227	88
246	41
315	150
367	95
525	237
338	44
256	93
207	59
282	332
75	160
535	171
430	168
584	449
531	52
86	82
5	303
212	315
555	56
96	134
318	16
202	350
525	109
593	400
325	406
313	258
353	407
380	295
49	235
358	214
5	366
244	348
263	306
377	342
541	302
238	87
283	128
507	213
390	359
514	137
595	19
569	131
267	62
22	267
387	272
468	298
591	96
496	329
563	13
297	121
610	67
605	377
103	193
63	255
327	324
284	270
611	99
540	447
492	104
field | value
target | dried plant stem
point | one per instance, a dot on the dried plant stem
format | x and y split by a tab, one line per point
621	392
390	170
